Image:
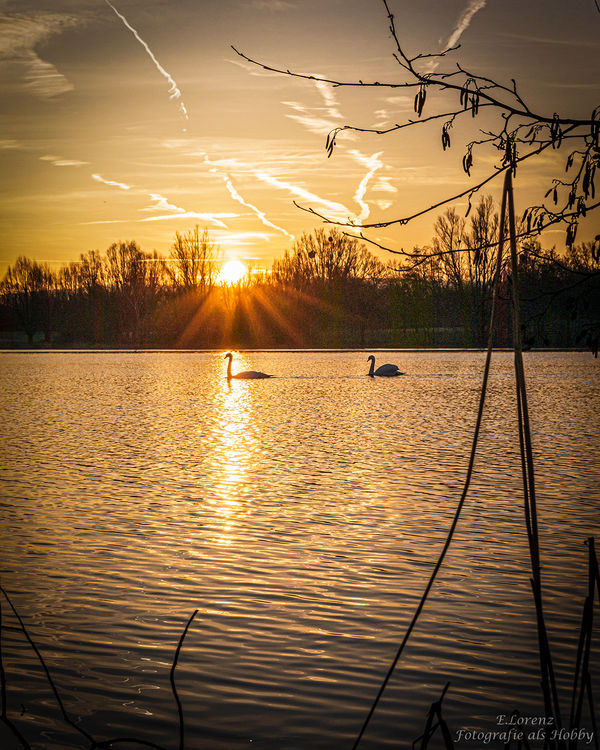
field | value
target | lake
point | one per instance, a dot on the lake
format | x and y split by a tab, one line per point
301	515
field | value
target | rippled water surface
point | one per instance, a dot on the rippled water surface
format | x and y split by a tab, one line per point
301	515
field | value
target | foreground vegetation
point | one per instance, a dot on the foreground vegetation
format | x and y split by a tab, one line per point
328	290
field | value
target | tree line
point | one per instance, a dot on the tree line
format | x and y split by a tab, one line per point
327	291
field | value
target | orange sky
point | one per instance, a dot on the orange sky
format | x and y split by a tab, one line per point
134	120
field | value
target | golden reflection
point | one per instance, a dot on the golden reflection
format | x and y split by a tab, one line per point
233	445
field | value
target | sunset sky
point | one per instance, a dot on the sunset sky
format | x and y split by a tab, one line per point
134	120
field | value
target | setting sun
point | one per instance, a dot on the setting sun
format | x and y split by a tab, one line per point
232	272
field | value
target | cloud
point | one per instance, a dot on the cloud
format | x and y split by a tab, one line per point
58	161
273	4
322	120
318	119
326	91
213	218
254	70
174	91
162	204
337	210
20	34
242	238
313	123
215	168
120	185
260	214
383	185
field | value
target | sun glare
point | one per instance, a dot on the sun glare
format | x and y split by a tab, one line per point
232	272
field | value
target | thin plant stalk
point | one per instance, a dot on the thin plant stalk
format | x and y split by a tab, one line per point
549	688
440	560
172	678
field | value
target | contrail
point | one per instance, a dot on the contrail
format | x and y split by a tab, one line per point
373	163
463	23
465	19
237	197
337	210
261	215
121	185
174	91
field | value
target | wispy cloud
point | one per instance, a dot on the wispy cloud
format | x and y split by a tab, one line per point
120	185
253	70
160	203
272	4
216	167
383	185
174	91
58	161
241	238
20	34
318	119
322	120
212	218
314	123
336	210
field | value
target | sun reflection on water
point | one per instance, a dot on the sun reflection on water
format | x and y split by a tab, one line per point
234	443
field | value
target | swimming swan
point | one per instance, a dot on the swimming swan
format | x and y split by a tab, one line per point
386	371
246	374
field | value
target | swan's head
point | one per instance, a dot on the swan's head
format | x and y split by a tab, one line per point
229	355
370	358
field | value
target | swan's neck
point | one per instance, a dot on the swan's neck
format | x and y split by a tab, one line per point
372	368
229	368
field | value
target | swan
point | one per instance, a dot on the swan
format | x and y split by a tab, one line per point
246	374
386	371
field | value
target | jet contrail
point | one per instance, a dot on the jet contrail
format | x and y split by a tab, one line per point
260	214
174	91
373	163
121	185
465	19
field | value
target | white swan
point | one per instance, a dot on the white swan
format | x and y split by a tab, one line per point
246	374
386	371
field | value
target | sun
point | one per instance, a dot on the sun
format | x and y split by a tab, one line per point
232	272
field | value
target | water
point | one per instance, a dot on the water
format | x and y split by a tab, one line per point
302	516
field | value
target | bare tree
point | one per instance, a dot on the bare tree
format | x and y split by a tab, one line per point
195	260
325	258
521	134
28	287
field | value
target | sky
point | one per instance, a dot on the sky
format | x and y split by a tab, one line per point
134	119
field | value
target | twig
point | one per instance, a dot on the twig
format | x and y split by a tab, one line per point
172	677
547	672
66	716
5	718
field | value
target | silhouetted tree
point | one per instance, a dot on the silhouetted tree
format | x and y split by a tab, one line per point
133	278
28	289
194	261
325	258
